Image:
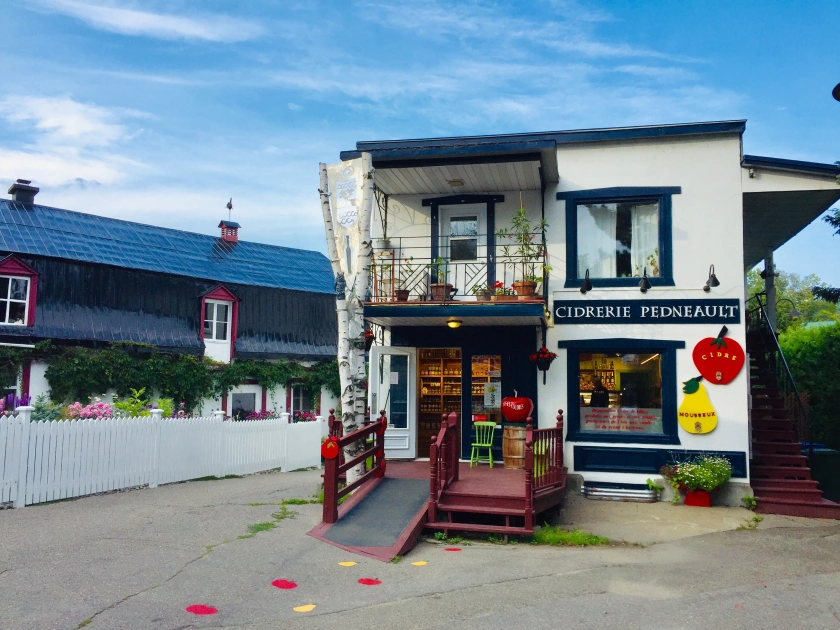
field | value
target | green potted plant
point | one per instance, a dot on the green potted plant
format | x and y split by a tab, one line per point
439	287
698	477
528	252
406	271
481	292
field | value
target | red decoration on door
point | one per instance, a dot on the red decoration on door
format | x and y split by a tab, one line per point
329	449
719	360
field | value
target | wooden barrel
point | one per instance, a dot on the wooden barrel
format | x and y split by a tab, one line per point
513	446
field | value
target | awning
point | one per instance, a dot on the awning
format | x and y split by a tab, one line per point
781	198
469	313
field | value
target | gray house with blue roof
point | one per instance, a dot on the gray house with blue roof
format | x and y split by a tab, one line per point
81	279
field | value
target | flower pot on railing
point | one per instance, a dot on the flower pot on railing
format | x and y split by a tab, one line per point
483	296
401	295
525	288
441	291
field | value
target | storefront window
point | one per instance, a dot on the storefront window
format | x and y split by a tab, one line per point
622	390
621	393
487	388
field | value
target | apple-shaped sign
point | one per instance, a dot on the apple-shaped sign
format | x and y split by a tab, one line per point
329	449
517	408
719	360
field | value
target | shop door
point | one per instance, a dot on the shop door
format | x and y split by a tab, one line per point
393	385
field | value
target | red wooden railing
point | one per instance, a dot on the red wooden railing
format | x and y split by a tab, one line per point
443	460
547	446
335	468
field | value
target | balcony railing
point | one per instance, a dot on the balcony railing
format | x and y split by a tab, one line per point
411	269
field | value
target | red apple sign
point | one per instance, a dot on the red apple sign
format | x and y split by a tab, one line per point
517	408
329	449
719	360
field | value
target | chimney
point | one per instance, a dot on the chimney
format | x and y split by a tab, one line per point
230	231
21	191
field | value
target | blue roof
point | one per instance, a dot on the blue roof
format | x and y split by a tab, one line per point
519	142
815	168
45	231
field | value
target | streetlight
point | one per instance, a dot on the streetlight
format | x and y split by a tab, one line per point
793	314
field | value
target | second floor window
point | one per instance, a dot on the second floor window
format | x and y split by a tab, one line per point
14	296
216	320
463	238
618	240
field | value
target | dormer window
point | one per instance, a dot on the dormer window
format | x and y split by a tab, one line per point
216	320
18	290
219	310
14	300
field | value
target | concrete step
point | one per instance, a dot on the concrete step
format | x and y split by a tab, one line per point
792	507
779	472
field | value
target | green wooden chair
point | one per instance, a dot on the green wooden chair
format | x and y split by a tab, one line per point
484	432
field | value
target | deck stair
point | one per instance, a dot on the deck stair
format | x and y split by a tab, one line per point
779	472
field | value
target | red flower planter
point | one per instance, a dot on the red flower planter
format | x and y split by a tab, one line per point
698	498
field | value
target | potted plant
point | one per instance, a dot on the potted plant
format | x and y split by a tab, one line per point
439	287
406	271
481	292
698	477
501	293
528	253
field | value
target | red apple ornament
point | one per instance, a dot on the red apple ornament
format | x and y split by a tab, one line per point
329	449
517	408
719	360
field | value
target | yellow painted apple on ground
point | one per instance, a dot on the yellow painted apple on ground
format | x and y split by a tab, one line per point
696	414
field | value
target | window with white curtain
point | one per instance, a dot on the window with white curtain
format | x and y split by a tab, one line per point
618	239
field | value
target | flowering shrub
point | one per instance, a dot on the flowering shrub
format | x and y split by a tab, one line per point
97	409
303	416
12	402
265	414
704	472
500	289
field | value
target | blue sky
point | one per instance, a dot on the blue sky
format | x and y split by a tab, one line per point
159	111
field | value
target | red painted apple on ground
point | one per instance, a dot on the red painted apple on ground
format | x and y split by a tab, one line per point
517	408
719	360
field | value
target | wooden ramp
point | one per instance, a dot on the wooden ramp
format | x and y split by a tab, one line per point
380	521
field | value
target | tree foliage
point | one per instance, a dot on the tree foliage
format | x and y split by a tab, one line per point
798	290
830	294
814	358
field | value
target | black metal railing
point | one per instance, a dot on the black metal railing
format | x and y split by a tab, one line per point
772	363
410	268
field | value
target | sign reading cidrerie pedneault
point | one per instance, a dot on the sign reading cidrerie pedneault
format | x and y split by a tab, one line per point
644	311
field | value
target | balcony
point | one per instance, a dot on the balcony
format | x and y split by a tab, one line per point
414	270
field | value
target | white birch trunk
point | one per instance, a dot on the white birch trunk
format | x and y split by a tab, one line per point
350	311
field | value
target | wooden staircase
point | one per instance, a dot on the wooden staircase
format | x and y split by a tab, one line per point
779	472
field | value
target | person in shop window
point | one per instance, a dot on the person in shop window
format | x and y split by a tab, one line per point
600	394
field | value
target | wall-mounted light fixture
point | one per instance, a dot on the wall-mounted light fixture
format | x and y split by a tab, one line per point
712	281
644	283
454	323
587	284
455	182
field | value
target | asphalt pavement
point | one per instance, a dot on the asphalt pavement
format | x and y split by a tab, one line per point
139	559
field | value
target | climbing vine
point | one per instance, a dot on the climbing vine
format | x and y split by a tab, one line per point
76	373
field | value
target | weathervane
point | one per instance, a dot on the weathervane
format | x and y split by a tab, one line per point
229	206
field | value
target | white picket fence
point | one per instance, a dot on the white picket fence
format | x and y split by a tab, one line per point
47	461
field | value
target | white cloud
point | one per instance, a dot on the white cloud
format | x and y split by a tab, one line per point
295	107
55	168
62	120
115	19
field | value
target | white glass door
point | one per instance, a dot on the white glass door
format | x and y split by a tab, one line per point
393	385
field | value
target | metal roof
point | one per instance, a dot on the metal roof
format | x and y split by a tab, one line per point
796	166
44	231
